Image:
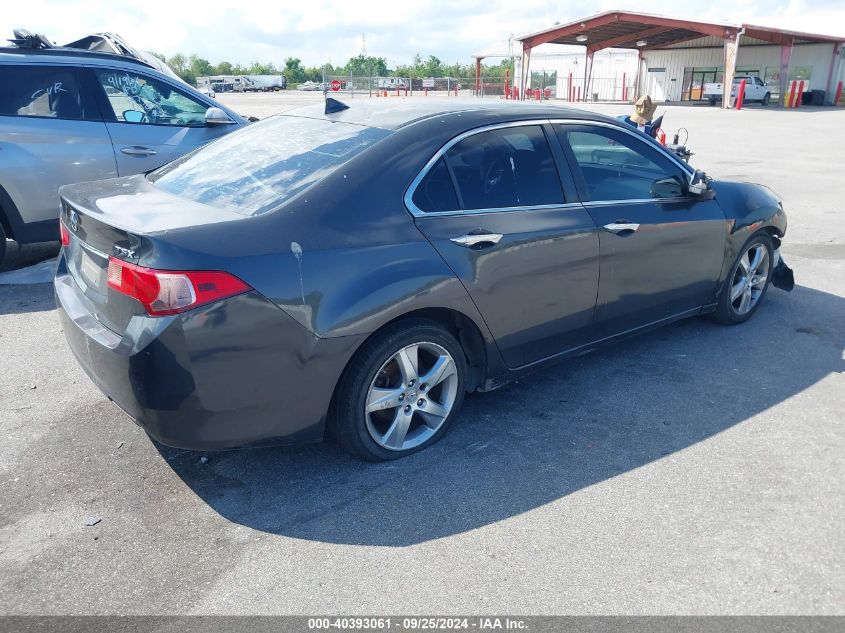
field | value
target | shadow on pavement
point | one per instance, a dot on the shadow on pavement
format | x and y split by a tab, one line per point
26	298
531	443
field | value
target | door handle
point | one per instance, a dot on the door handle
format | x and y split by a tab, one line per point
475	239
622	227
137	150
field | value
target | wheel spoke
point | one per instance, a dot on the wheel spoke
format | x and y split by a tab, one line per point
736	290
745	264
744	302
408	361
433	414
395	435
442	369
381	399
759	255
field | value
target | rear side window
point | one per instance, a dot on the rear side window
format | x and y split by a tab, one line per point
436	193
40	91
503	168
254	170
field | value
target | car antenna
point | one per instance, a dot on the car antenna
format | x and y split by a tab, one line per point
333	105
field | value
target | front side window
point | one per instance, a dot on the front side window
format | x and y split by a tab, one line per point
505	167
255	169
614	165
136	98
39	91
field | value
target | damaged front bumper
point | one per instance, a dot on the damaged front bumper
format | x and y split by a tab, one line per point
782	276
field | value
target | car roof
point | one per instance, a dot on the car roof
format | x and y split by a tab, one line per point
59	55
393	113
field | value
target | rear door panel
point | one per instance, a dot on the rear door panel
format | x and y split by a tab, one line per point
536	288
39	154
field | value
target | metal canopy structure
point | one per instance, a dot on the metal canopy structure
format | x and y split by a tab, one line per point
644	32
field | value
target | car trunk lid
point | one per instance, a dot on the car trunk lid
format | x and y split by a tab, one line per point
121	218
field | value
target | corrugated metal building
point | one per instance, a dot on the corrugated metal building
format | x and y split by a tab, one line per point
676	57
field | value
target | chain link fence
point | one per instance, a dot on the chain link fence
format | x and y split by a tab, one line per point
543	85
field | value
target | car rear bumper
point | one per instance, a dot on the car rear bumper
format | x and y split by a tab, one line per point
229	374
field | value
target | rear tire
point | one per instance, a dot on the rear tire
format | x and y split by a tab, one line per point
711	101
746	285
2	243
401	391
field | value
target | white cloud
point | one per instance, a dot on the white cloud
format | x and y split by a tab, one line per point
322	30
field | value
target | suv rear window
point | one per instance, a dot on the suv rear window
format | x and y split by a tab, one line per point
256	169
39	91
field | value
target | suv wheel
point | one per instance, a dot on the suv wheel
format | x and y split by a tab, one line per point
401	391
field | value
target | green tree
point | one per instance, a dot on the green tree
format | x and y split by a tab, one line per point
223	68
363	65
293	70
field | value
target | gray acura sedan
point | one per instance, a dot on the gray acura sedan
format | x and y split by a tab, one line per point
361	268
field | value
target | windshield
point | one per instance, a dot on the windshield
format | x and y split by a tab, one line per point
256	169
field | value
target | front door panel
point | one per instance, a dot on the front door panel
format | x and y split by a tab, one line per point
669	265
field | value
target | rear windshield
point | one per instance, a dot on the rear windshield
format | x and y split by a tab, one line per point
255	169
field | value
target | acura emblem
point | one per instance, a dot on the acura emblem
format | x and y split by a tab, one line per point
73	220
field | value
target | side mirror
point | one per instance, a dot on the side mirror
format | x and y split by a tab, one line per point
134	116
667	188
216	116
699	185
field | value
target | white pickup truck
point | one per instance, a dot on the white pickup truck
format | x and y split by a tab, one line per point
755	90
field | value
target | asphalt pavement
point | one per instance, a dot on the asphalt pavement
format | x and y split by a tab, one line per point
697	469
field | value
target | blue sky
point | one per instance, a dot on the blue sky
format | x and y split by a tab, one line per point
318	30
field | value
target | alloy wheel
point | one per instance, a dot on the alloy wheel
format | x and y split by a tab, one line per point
750	278
411	396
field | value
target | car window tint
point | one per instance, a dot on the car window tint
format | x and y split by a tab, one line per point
505	167
255	169
614	165
39	91
135	98
435	193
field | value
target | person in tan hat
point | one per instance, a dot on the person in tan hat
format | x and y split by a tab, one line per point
644	110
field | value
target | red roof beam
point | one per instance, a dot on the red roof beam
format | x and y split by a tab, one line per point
570	29
631	37
706	28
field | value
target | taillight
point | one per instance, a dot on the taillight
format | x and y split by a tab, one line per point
163	292
65	236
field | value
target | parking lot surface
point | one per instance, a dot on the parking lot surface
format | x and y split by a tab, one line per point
695	470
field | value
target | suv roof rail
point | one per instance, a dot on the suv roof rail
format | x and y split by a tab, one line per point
25	39
96	44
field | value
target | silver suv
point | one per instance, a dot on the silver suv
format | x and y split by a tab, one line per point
71	114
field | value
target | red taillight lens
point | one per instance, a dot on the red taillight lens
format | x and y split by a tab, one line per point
163	292
65	236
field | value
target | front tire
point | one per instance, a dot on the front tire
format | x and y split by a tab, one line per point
400	392
766	99
748	281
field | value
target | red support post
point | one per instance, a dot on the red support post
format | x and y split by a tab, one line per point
740	94
624	87
799	98
578	96
838	94
477	77
570	87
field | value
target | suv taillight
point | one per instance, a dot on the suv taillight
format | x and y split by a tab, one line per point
164	292
65	236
